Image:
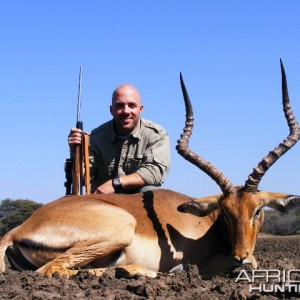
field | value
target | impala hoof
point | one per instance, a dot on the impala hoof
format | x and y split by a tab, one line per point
132	271
49	271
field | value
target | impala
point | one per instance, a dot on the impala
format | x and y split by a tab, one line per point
155	231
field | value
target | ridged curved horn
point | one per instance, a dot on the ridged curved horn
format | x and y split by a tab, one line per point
186	153
254	178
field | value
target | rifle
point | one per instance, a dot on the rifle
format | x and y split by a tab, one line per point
77	179
74	165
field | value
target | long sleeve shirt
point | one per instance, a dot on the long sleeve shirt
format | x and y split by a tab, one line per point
145	151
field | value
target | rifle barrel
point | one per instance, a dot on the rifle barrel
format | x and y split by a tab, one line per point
79	95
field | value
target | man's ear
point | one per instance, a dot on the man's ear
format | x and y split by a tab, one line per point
110	109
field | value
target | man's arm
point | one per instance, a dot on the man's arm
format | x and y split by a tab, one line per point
129	182
156	162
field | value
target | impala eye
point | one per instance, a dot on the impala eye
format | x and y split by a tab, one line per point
257	214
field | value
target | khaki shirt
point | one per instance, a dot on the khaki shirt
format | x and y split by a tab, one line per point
145	151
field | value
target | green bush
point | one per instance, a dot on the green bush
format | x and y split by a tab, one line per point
15	212
278	223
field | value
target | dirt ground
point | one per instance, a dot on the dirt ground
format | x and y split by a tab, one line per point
279	253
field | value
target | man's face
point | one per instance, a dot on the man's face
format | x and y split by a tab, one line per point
126	109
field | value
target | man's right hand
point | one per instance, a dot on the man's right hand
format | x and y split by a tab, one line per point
74	138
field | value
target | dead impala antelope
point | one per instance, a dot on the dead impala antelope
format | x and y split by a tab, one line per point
155	231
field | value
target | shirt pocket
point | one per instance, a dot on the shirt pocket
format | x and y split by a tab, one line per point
133	164
107	171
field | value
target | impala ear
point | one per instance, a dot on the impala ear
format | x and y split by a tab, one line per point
284	204
198	209
210	199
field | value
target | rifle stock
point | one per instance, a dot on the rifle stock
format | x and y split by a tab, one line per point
77	178
86	159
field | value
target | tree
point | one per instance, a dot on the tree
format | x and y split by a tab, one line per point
15	212
278	223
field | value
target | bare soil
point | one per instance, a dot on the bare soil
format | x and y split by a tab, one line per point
280	253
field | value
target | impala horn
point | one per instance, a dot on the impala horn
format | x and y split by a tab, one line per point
186	153
255	177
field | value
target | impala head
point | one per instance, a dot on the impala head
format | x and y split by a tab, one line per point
240	208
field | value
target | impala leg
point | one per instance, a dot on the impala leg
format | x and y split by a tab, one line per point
62	264
94	240
96	272
83	253
128	271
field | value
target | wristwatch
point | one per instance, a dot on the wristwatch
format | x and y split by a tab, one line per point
117	184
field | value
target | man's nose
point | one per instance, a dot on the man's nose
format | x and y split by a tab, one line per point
126	109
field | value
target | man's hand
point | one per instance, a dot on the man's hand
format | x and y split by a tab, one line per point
75	136
105	188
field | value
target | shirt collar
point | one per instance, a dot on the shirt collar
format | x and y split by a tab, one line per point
136	133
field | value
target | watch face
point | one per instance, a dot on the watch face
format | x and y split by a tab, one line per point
117	182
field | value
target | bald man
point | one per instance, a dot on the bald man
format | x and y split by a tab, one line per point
128	154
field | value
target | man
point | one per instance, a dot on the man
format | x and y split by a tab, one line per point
128	154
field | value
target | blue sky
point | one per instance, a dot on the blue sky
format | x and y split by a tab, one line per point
228	52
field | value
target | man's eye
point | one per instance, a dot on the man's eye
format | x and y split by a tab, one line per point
132	106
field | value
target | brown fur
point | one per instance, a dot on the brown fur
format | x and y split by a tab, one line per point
141	233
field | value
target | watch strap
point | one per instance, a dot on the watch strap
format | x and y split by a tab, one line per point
117	184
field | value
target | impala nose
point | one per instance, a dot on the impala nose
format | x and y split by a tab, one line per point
241	260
